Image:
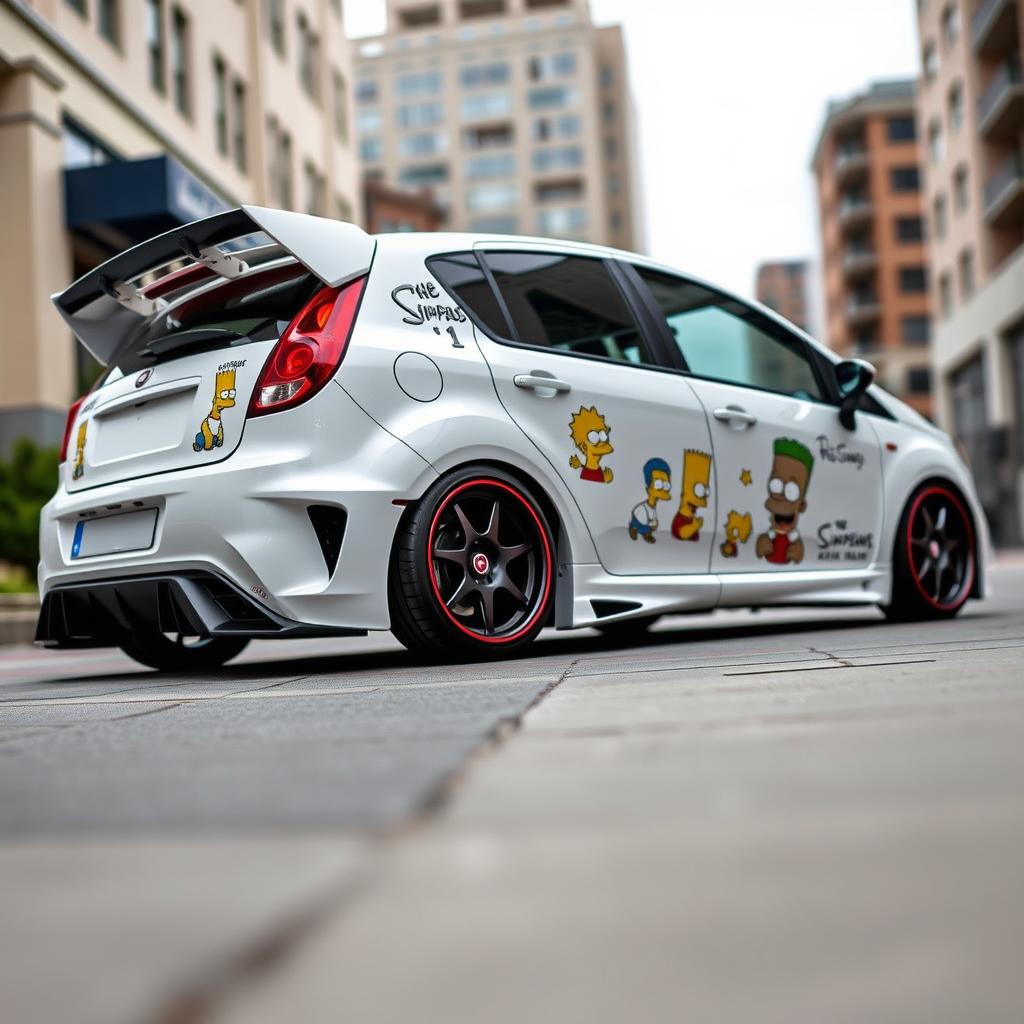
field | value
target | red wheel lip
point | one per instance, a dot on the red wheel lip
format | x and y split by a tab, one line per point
969	586
548	561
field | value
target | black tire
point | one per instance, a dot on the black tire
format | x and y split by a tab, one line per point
627	629
473	568
182	654
934	558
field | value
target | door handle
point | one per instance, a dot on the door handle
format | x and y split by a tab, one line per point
737	418
540	382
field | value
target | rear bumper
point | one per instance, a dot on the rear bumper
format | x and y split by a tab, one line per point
102	613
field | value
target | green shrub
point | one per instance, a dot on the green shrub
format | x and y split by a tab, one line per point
27	481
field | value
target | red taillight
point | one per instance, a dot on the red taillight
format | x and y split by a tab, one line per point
310	350
72	416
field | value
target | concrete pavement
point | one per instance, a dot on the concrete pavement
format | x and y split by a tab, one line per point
785	816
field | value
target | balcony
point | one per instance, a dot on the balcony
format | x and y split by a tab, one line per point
1004	193
1001	109
858	261
862	309
994	27
853	212
851	162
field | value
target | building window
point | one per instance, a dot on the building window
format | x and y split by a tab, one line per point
552	65
423	175
81	149
608	112
340	89
180	61
956	107
607	77
368	121
961	190
551	96
220	104
315	189
476	75
309	47
494	196
419	83
274	10
287	192
419	115
913	280
560	158
420	144
916	330
109	17
239	145
919	380
909	229
940	219
936	149
369	150
486	106
950	25
491	165
155	43
965	266
930	61
366	90
946	296
611	149
905	179
902	129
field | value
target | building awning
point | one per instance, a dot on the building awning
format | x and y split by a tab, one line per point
123	202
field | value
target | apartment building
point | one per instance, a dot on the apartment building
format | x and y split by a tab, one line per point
516	113
123	118
781	285
972	118
867	164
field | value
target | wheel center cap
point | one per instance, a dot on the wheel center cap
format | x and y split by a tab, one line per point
481	563
934	550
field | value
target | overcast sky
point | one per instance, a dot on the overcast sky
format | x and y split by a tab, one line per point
730	95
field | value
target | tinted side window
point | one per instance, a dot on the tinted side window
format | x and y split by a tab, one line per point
568	303
462	277
724	340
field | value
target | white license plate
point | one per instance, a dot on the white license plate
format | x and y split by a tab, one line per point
129	531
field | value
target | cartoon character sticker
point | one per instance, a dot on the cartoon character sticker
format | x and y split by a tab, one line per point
787	500
696	490
738	527
590	435
211	430
78	467
644	518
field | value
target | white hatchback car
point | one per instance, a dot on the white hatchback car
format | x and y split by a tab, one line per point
308	431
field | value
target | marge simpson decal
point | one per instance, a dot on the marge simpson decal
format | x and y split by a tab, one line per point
211	430
590	435
79	465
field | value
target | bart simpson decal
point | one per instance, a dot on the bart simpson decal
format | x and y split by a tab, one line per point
658	481
211	430
787	494
737	531
696	488
590	435
78	468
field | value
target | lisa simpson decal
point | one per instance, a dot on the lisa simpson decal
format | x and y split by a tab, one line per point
787	501
211	430
590	435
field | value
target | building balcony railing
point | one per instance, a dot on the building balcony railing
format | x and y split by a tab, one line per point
1004	192
1001	109
851	161
859	260
992	27
855	211
861	309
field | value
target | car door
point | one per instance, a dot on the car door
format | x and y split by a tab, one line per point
796	490
568	363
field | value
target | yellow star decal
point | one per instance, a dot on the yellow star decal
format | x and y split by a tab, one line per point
745	478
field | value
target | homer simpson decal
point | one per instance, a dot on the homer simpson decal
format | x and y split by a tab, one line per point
211	430
78	468
658	481
590	435
787	500
696	489
738	528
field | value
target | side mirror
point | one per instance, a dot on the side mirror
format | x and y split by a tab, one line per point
854	377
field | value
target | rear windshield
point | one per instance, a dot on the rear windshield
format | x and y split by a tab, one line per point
257	307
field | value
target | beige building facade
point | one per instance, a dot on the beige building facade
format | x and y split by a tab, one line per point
123	118
516	113
972	121
874	262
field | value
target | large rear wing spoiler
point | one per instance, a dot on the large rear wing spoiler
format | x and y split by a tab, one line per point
105	306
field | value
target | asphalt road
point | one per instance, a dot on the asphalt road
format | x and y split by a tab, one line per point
252	844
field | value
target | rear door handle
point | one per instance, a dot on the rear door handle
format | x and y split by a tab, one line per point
540	382
736	417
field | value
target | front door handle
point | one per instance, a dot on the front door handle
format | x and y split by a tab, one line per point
737	418
541	382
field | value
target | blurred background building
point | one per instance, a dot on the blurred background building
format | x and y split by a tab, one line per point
517	113
782	285
123	118
874	262
972	120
